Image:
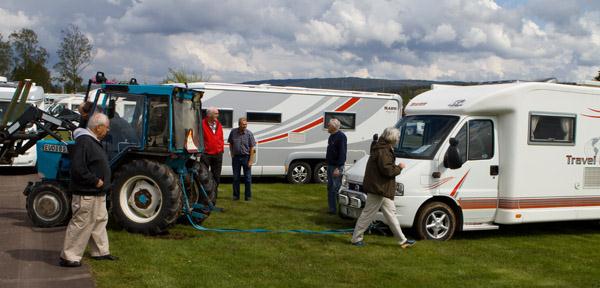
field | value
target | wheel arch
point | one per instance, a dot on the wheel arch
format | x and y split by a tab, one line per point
451	202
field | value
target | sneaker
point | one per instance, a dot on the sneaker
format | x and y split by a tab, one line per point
359	244
408	243
106	257
67	263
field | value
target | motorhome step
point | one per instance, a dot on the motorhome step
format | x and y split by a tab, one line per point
479	226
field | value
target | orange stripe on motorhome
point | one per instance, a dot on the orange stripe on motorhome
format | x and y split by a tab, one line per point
532	203
491	203
310	125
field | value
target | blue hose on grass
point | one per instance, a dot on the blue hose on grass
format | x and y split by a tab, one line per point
189	216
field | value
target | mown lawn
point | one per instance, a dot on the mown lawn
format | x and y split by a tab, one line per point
549	255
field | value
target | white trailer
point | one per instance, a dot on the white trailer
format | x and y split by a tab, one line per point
526	152
36	98
289	124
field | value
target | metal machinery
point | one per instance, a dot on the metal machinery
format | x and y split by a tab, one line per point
153	146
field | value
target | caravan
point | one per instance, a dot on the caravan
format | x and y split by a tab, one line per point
289	124
479	156
36	98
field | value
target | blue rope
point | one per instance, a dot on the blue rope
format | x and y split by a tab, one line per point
189	216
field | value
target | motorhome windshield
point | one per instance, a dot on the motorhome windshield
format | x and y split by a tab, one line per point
422	135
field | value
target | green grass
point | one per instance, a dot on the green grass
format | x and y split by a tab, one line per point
549	255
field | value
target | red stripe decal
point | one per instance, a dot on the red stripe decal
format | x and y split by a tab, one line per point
455	190
598	111
314	123
591	116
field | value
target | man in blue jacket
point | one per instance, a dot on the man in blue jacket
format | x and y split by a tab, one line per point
90	181
336	158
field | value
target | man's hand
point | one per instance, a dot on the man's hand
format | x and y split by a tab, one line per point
336	172
402	165
249	163
100	183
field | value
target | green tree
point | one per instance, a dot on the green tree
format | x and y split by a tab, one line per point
183	76
29	58
74	54
598	77
5	57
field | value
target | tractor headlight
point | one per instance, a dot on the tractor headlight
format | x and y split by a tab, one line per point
399	189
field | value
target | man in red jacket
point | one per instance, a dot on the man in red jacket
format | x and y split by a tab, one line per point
213	144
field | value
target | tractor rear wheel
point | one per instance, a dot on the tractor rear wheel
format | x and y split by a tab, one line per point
146	197
48	205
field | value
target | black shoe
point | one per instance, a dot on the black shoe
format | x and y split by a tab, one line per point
67	263
248	199
236	199
331	212
106	257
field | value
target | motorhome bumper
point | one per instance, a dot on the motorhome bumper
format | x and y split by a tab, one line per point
343	199
352	198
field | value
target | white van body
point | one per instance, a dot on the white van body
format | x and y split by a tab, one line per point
289	124
36	98
532	155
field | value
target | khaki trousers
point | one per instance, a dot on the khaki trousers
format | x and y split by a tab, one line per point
87	226
388	208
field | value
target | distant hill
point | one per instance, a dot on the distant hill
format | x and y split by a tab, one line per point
406	88
353	83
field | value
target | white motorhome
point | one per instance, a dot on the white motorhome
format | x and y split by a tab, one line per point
521	153
289	124
36	98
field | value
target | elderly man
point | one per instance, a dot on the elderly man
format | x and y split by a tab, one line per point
336	158
90	180
241	144
212	131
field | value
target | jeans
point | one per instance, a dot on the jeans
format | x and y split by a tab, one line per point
239	162
333	186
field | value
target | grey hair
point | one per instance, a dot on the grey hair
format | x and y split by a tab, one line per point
335	123
242	119
97	119
390	135
212	110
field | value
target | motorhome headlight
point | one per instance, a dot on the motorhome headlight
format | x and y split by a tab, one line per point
344	181
399	189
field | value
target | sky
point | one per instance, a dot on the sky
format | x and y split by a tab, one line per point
237	41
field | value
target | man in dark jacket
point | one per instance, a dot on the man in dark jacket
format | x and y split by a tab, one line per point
336	159
380	185
90	178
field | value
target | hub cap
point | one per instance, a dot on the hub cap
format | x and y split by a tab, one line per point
322	174
299	174
140	199
47	207
437	224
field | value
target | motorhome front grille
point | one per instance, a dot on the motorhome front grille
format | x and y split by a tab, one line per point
355	187
591	177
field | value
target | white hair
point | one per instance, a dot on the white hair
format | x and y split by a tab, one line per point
390	135
335	123
97	119
212	111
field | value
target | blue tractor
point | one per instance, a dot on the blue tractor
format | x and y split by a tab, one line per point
154	147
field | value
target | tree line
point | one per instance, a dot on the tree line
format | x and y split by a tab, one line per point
22	57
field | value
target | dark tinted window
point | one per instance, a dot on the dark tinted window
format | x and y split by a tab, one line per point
263	117
348	120
552	129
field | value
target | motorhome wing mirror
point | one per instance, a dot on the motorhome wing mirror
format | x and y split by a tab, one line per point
110	110
452	158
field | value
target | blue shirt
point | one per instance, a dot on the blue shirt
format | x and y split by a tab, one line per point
336	149
241	143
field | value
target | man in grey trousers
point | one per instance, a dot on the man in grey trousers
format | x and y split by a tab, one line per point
90	180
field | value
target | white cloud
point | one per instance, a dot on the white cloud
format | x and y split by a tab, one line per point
473	37
443	33
10	22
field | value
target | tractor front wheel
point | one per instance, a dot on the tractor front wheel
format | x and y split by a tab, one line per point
48	205
146	197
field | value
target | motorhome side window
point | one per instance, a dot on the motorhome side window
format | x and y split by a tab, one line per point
480	145
551	129
348	120
225	117
263	117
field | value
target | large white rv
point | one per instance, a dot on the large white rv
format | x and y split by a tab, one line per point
36	98
521	153
289	124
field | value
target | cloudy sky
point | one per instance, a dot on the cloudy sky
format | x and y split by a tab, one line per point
235	41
